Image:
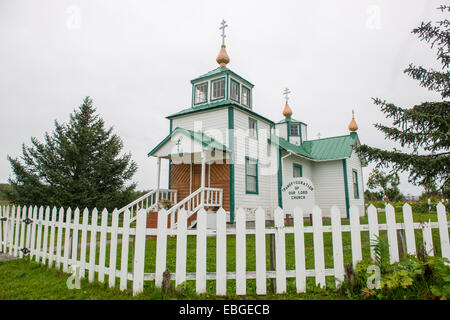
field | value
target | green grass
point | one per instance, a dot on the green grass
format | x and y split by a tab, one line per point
22	279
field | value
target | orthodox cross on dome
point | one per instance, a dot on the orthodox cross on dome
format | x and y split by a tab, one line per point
286	93
222	27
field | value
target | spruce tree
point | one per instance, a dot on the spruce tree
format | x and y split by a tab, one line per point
424	128
78	165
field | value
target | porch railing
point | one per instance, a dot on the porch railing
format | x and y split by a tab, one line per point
149	201
202	197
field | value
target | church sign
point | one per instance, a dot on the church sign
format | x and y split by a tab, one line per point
298	192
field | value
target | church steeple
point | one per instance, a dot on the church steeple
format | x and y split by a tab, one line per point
353	127
287	111
223	59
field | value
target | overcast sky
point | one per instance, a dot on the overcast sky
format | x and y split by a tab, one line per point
136	60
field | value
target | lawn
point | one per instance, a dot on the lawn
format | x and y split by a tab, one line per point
22	279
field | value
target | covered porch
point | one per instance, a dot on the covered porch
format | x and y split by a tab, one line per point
199	176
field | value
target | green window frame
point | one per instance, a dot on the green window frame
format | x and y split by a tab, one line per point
251	175
252	130
355	184
204	84
213	82
238	90
247	101
296	168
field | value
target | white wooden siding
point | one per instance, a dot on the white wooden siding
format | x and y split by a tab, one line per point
328	178
355	163
267	166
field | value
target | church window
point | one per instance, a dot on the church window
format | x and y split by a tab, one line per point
245	96
234	92
252	128
218	89
201	93
293	130
355	184
251	175
297	170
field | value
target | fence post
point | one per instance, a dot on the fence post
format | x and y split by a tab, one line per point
139	252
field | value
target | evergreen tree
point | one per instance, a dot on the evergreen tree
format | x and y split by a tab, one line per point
78	165
425	127
388	183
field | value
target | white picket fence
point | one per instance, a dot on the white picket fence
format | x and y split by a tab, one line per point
54	237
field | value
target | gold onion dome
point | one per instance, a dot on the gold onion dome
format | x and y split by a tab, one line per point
353	126
223	59
287	111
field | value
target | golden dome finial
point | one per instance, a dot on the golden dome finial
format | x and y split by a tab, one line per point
353	126
223	59
287	111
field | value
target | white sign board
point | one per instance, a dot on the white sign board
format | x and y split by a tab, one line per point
298	192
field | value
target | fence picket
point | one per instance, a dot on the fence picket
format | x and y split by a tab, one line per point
443	230
200	270
338	253
299	247
51	251
2	215
17	230
102	250
75	228
45	238
67	242
319	258
355	233
125	246
260	251
113	249
139	251
22	231
221	252
28	230
2	228
161	247
392	233
181	247
241	265
409	229
33	232
39	233
93	244
280	251
59	238
372	216
428	239
6	229
83	245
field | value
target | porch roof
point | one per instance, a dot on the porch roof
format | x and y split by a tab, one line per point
200	137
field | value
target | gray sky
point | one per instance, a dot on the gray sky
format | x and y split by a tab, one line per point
136	60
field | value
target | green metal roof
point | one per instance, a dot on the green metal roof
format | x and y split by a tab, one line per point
219	71
217	105
332	148
196	136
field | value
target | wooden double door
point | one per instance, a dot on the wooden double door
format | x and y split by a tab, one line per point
216	176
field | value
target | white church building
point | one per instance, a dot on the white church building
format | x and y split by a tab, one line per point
222	152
